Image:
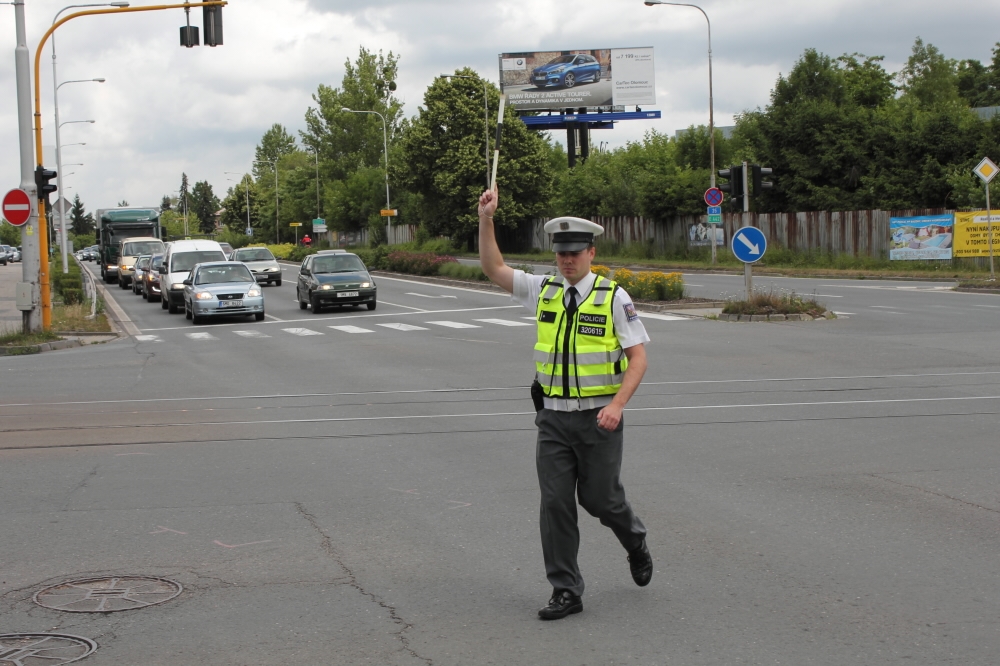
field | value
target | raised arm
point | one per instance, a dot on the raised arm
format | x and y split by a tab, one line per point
489	253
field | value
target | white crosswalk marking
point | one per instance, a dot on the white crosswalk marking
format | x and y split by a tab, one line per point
352	329
528	318
503	322
663	317
201	336
251	334
301	331
403	327
452	324
148	338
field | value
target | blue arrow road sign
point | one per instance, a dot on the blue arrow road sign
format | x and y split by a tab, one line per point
715	210
749	244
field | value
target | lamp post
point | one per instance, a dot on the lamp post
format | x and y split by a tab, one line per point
711	104
274	165
385	146
59	166
55	103
486	119
247	187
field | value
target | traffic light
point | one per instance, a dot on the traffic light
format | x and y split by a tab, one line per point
759	184
189	36
212	20
734	188
42	178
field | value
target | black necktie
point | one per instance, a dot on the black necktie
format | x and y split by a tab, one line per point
572	307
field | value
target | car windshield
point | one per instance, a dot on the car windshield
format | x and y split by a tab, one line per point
142	262
340	264
562	60
218	274
156	261
185	261
254	254
144	247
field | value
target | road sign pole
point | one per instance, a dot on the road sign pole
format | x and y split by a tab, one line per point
989	227
714	228
32	319
747	268
748	279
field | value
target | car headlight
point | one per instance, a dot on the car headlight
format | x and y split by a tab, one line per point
365	285
112	266
326	287
177	285
558	70
253	293
204	296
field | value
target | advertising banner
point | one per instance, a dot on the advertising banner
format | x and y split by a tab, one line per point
700	235
924	237
559	80
972	235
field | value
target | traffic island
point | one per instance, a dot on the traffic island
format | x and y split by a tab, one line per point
978	287
798	316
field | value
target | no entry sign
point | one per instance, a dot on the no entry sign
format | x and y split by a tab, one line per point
16	207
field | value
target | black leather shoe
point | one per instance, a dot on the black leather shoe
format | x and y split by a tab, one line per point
641	564
560	605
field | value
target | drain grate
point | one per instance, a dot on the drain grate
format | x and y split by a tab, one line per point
107	595
47	649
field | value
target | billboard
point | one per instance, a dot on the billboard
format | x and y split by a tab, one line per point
924	237
559	80
972	234
700	235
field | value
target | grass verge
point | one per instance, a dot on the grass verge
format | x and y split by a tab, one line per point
770	303
75	318
15	338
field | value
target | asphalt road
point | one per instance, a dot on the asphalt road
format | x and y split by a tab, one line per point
358	487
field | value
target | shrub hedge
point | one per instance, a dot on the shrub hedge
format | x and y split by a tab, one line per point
417	263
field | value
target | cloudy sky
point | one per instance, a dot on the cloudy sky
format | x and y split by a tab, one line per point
166	110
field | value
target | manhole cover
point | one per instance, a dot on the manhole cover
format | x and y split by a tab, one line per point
39	649
107	595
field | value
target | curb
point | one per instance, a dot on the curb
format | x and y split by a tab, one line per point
37	349
778	317
969	290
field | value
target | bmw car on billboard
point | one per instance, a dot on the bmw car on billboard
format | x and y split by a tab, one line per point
597	78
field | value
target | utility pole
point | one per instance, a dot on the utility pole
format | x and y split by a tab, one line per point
30	260
747	270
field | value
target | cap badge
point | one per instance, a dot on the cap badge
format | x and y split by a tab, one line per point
564	226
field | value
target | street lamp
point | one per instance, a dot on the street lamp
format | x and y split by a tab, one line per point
55	103
385	145
59	166
711	104
247	187
274	165
486	119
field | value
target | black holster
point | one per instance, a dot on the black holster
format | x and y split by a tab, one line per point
537	395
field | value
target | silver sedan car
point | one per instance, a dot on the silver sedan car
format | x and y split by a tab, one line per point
261	263
222	289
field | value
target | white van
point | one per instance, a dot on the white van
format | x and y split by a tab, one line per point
181	257
131	249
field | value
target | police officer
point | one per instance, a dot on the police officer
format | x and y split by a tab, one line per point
589	360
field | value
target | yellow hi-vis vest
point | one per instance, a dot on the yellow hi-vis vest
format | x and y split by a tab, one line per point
578	356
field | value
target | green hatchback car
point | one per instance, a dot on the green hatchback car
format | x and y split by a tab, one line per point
334	278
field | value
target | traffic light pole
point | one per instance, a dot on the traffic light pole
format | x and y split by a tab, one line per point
43	244
32	320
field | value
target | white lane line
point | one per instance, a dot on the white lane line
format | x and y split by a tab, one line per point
416	417
251	334
845	314
653	315
502	322
341	317
201	336
884	307
485	389
452	324
528	318
413	293
303	332
408	307
986	306
148	338
444	286
827	296
352	329
403	327
273	317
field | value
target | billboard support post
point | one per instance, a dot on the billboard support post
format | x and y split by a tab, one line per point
989	227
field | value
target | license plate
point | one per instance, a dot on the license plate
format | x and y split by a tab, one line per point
230	304
346	294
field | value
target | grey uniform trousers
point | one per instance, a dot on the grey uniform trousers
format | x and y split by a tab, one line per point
576	458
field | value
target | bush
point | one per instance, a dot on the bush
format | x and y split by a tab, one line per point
416	263
374	258
282	251
72	296
437	246
300	252
462	272
603	271
769	302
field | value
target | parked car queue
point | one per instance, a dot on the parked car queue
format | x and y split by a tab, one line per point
198	278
